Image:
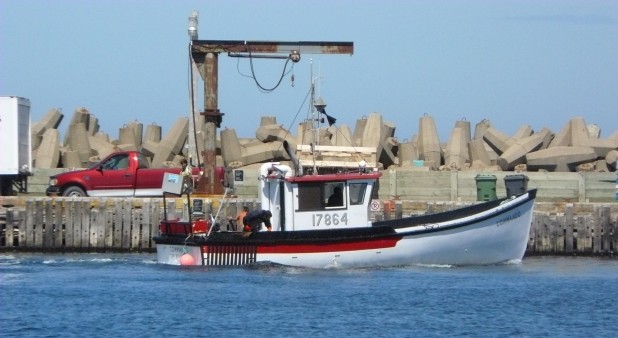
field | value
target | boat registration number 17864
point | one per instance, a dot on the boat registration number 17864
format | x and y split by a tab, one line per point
330	219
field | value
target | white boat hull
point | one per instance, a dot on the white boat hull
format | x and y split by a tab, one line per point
493	236
488	242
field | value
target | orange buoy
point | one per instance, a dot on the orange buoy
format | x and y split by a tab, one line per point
187	259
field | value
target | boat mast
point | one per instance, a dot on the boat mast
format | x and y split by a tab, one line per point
314	119
317	106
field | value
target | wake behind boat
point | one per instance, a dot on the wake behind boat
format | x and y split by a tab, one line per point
308	232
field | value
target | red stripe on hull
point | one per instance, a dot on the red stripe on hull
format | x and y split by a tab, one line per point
327	247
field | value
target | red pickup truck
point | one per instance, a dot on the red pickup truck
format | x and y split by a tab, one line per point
121	174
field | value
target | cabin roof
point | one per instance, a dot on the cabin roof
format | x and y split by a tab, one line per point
335	177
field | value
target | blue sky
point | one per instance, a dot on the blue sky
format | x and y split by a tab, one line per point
513	62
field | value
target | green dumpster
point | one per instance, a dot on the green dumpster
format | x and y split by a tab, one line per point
515	184
485	187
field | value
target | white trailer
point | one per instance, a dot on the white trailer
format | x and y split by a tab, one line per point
15	138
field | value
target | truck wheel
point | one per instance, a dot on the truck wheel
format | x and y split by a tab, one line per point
74	192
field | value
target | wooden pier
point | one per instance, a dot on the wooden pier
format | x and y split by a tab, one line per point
128	225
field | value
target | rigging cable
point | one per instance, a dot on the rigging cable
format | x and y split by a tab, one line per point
287	131
284	72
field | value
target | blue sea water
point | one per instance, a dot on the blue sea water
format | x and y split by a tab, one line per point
130	295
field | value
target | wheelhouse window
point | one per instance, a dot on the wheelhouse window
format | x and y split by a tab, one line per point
335	193
310	197
321	196
357	193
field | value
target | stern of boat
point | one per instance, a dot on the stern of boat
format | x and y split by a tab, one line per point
179	254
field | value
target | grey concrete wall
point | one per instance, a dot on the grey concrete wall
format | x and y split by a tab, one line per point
410	184
462	186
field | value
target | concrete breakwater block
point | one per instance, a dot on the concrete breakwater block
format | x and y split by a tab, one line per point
379	135
267	120
51	120
80	115
407	153
465	127
601	146
307	134
579	132
428	142
601	166
562	138
149	148
153	133
594	131
480	128
324	137
341	136
560	158
93	125
264	152
388	129
304	132
78	141
372	133
274	132
177	135
151	140
230	146
390	147
270	132
359	130
201	143
138	131
236	154
126	135
101	145
479	157
70	160
48	154
172	143
547	139
523	132
516	153
163	152
497	140
456	154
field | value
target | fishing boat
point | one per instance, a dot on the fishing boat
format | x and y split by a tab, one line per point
311	230
308	232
